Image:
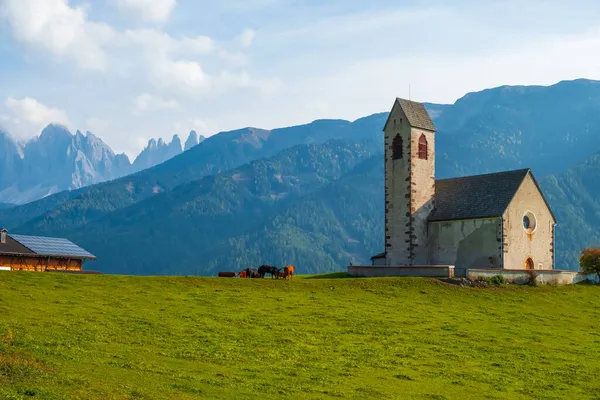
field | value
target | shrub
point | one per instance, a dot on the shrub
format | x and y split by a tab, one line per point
497	280
589	262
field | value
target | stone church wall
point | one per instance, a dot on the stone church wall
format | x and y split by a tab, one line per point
519	244
397	185
409	191
422	194
465	243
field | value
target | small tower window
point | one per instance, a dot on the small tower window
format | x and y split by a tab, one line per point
397	147
423	147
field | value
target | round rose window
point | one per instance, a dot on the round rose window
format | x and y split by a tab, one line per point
529	222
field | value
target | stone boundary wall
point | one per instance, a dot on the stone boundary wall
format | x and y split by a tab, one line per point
515	276
430	271
521	276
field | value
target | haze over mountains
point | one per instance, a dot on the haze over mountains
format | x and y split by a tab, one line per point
312	195
58	160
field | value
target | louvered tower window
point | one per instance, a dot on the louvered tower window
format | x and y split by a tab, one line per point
397	147
423	148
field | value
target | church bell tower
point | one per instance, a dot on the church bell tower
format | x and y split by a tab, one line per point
409	183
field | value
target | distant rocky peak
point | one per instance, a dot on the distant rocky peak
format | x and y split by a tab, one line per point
192	140
175	143
10	147
151	144
55	132
91	136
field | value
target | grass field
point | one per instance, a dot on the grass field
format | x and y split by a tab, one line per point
116	337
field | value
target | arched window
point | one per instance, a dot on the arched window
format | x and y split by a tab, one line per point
423	148
397	148
529	265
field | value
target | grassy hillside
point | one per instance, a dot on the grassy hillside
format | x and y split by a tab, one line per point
117	337
191	220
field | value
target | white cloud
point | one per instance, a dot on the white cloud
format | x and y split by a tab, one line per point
149	10
27	117
228	81
147	102
195	124
247	37
59	29
183	76
158	42
234	59
174	66
198	44
204	127
189	78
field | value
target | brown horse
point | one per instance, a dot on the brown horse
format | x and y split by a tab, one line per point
288	271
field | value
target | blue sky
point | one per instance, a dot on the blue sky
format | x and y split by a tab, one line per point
129	70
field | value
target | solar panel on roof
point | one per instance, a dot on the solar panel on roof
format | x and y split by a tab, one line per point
48	246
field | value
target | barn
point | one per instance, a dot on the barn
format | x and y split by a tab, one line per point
36	253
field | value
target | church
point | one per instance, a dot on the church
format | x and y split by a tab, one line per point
492	221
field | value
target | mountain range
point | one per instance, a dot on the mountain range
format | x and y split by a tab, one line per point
58	160
312	195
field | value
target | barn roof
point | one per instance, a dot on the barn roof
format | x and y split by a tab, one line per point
12	247
39	246
415	113
478	196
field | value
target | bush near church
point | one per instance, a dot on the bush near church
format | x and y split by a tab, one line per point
590	261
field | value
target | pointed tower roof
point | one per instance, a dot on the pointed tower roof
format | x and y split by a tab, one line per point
416	114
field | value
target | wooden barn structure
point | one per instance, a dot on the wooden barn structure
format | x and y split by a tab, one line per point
36	253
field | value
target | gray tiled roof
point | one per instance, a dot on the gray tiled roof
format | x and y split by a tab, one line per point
417	115
12	247
49	246
477	196
380	255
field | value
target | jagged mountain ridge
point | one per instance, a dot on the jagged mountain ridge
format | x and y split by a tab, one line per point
493	130
58	160
218	153
193	140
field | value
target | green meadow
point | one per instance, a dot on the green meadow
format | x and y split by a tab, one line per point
324	337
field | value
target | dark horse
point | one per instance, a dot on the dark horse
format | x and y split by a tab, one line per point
268	269
252	273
